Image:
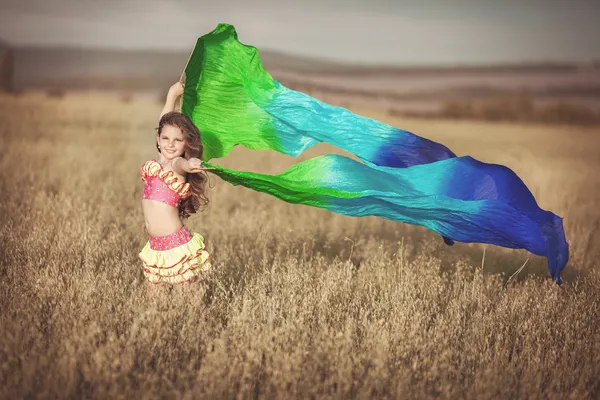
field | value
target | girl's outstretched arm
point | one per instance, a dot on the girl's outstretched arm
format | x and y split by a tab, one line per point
182	166
175	91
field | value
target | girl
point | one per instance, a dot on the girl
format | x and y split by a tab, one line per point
173	190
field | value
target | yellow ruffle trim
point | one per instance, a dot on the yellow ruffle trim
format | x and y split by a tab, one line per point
153	168
177	265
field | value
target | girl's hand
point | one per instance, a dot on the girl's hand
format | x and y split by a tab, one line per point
176	89
193	165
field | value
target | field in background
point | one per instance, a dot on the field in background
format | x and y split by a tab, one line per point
543	92
301	302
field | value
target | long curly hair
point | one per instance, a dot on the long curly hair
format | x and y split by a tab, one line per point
193	149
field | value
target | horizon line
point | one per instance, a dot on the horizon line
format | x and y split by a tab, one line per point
332	62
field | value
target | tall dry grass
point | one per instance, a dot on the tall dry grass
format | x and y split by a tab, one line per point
301	302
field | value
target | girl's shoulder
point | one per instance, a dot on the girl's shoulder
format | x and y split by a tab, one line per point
150	168
150	162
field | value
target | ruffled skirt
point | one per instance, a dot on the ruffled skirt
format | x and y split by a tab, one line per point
176	258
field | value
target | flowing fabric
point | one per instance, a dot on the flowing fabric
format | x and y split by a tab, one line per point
401	176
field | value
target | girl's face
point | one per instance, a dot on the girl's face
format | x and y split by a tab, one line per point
171	142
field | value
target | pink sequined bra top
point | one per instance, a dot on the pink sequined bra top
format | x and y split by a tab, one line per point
162	186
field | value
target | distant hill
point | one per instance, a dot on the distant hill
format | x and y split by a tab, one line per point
64	68
544	92
6	67
69	68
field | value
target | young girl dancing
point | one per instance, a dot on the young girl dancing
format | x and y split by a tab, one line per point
174	188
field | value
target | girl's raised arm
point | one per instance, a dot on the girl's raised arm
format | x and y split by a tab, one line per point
175	91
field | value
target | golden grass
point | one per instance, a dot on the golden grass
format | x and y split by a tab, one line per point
301	302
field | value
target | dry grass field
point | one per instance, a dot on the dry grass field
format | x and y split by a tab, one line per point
301	302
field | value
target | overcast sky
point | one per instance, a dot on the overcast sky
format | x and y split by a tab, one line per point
374	31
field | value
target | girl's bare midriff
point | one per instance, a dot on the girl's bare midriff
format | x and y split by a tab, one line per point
161	219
